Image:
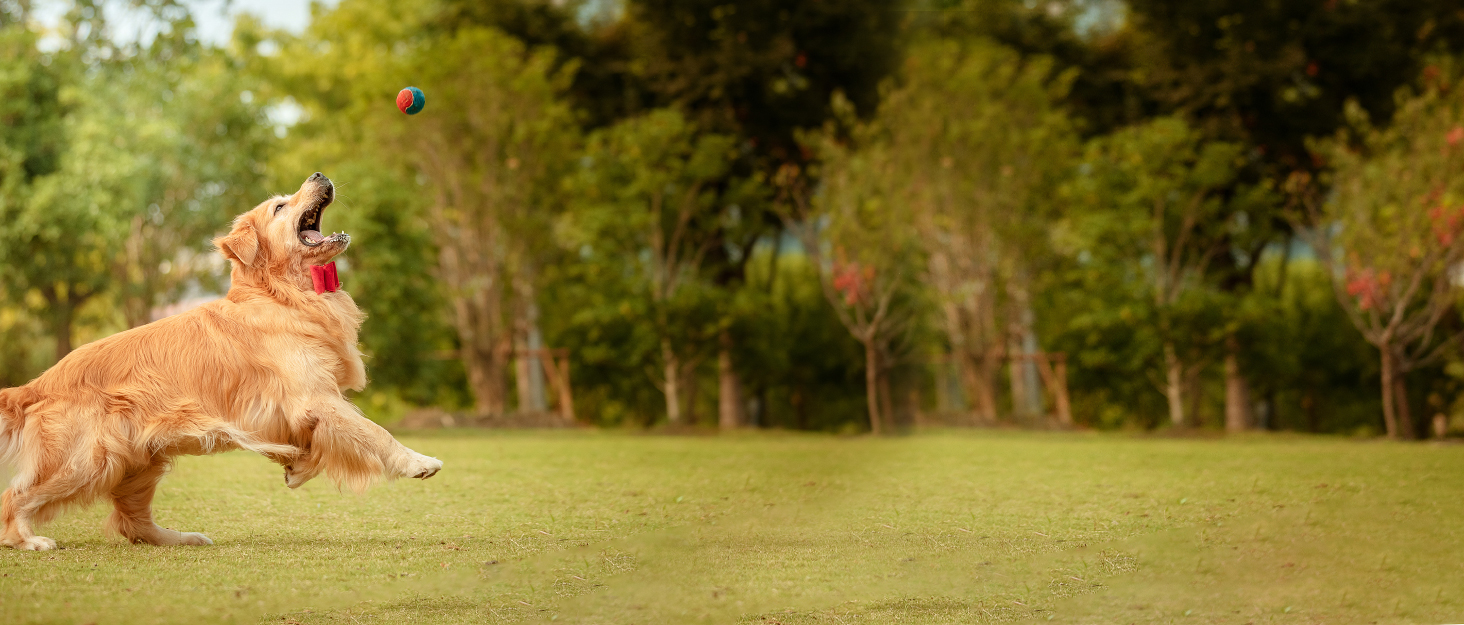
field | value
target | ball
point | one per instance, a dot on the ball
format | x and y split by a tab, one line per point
411	100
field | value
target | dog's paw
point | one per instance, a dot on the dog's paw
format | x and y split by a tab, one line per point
422	467
36	543
193	539
298	473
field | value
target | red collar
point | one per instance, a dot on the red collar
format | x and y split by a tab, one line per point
325	278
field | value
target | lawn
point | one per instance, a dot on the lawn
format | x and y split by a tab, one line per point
968	527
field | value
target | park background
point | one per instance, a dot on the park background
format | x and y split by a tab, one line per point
1137	222
834	215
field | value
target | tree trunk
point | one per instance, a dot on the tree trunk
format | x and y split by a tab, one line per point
1060	389
135	307
529	378
1053	368
1192	396
1406	430
484	356
1032	380
672	371
136	311
62	314
1309	410
1174	385
472	276
729	386
1017	379
945	402
1390	421
871	384
981	384
886	407
1026	386
799	406
486	378
538	394
1237	391
521	368
689	391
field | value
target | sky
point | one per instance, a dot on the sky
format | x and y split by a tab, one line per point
215	26
215	20
215	17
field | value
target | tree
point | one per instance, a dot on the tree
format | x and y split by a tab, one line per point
489	157
652	192
1274	73
38	250
197	156
757	71
1159	200
487	153
975	136
858	241
1397	208
159	146
1269	75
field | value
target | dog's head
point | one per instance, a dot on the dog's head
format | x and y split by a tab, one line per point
282	236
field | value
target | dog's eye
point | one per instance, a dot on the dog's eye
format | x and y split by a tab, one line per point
279	207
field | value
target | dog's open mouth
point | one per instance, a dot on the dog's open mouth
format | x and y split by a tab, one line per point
309	227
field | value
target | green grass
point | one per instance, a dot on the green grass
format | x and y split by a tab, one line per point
585	527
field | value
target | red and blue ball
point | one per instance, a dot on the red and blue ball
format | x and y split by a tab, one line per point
411	100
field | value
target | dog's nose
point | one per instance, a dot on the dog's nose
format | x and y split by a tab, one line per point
317	177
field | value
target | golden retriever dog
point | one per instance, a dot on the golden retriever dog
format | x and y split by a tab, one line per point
262	369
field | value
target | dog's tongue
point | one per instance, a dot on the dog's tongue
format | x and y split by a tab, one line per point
312	236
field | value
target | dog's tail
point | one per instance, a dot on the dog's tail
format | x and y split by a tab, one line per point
280	454
209	435
13	405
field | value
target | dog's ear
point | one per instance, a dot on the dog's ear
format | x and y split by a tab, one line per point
242	244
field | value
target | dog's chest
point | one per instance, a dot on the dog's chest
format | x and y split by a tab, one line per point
314	350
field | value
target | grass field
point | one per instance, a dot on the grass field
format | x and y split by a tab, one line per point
593	527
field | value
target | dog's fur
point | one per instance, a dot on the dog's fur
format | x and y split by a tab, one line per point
262	369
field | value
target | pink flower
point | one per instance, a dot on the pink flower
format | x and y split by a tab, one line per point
852	280
1367	286
1447	223
1455	136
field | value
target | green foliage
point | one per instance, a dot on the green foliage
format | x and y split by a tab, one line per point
1097	179
636	178
1275	73
808	370
864	239
458	202
1398	201
652	197
975	137
1152	207
31	112
121	166
764	68
1309	362
390	275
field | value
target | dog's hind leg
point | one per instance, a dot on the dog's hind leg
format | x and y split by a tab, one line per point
18	516
60	480
22	506
132	516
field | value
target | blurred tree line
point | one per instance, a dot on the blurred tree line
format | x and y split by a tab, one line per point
809	214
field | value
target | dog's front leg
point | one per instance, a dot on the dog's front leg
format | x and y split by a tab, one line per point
352	450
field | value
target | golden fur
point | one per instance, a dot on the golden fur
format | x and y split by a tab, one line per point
262	369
